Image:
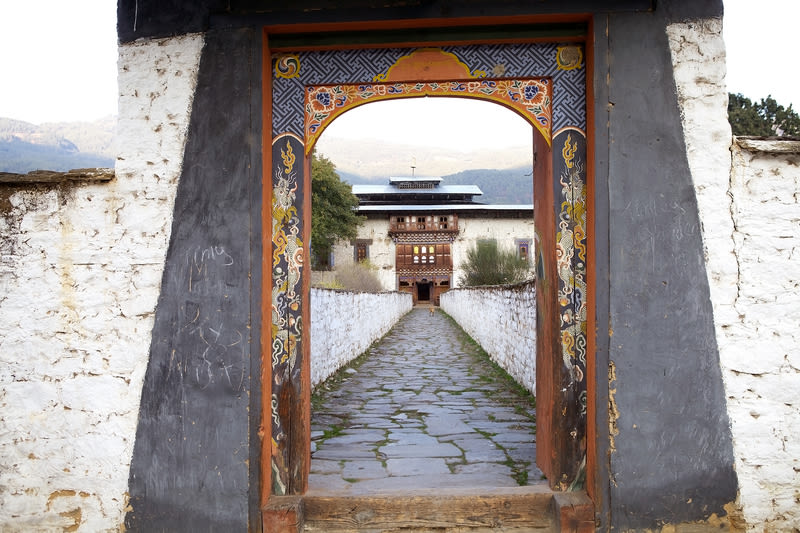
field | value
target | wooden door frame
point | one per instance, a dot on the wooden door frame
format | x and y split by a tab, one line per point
596	470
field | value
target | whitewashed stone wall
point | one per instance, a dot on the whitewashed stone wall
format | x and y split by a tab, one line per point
503	321
80	274
344	324
750	215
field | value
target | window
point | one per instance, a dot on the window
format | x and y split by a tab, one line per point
420	222
404	254
442	222
523	249
361	252
361	249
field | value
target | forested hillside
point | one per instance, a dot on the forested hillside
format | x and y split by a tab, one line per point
508	186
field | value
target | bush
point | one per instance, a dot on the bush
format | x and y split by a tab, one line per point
486	264
358	277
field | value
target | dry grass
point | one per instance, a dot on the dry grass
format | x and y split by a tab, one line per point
358	277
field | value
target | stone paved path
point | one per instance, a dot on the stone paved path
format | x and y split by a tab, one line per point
422	410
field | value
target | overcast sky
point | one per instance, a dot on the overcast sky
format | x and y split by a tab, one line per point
58	58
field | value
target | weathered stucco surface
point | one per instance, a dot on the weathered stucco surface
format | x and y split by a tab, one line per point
80	276
503	321
471	228
381	250
750	213
344	324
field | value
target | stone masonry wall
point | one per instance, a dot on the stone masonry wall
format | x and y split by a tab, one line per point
80	275
750	215
344	324
503	321
761	346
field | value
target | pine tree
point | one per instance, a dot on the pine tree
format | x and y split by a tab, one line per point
762	119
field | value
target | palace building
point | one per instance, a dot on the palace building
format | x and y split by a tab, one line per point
418	230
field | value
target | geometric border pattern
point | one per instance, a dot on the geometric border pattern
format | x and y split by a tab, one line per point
334	67
531	98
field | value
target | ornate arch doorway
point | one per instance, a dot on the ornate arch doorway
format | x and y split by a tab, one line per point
304	91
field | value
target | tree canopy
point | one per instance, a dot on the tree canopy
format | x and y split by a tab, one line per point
766	118
333	210
486	264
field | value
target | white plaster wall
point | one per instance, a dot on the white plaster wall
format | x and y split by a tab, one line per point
382	249
750	215
503	321
503	230
80	274
344	324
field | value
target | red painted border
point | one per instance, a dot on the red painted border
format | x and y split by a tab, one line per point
265	427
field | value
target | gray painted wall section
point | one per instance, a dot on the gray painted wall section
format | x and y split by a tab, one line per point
671	459
195	453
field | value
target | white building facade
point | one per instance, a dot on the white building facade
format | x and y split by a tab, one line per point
417	233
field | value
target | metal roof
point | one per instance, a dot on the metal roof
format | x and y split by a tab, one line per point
445	207
440	190
400	179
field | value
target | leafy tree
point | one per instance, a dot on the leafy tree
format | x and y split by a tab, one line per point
488	265
333	210
762	119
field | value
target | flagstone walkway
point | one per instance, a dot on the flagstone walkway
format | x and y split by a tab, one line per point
423	409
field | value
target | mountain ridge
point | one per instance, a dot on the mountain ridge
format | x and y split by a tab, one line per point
57	146
500	186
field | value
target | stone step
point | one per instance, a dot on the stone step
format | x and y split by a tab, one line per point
507	509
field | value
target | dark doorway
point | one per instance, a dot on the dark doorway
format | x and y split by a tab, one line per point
423	291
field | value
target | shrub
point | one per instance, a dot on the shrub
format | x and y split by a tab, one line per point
486	264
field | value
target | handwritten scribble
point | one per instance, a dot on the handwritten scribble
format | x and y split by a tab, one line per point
199	257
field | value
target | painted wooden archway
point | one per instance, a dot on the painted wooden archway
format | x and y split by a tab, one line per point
310	89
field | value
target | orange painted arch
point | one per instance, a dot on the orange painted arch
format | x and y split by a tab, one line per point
531	98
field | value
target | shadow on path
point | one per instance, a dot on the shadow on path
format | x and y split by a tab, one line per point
424	408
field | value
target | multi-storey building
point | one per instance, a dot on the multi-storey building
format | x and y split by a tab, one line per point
418	230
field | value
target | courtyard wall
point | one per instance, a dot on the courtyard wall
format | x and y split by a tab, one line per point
345	323
502	320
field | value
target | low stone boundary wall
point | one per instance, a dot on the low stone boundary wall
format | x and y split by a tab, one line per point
756	311
344	324
503	321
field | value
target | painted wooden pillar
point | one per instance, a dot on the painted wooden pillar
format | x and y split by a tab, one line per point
560	221
290	455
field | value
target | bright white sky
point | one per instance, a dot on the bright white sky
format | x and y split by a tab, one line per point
58	59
